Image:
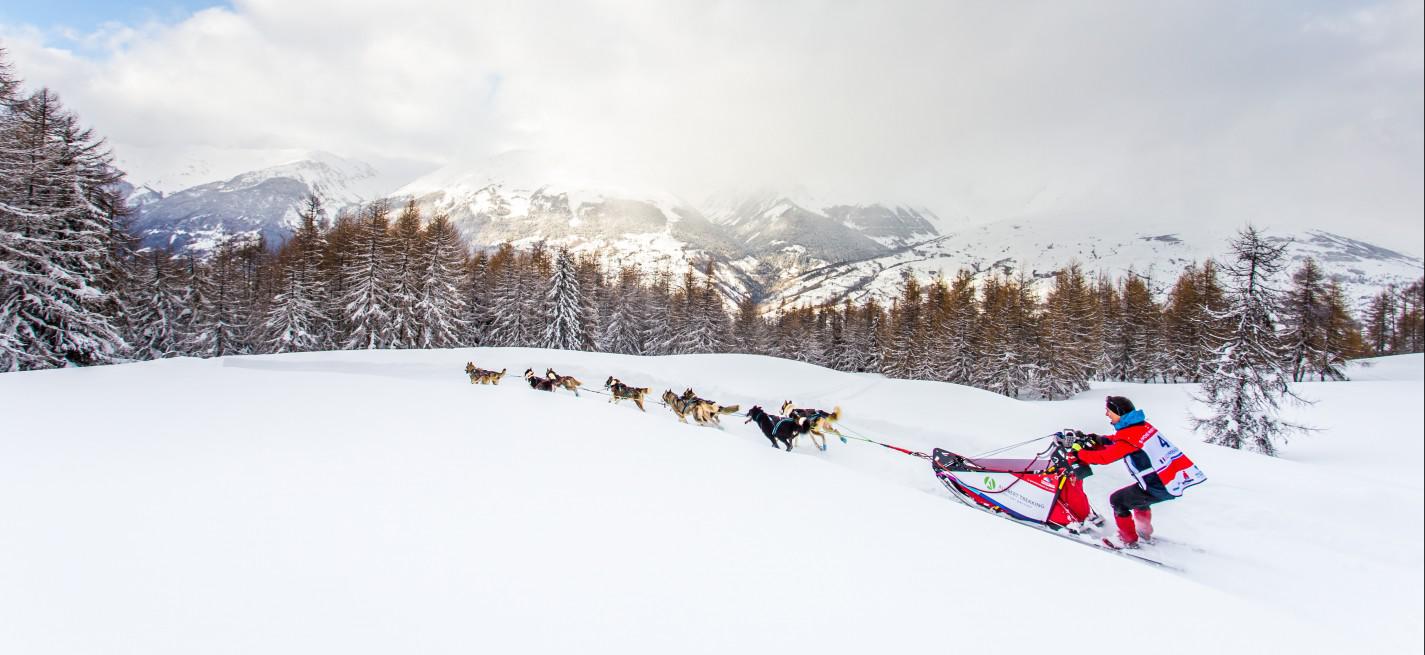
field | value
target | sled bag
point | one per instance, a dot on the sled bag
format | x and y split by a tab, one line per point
1018	487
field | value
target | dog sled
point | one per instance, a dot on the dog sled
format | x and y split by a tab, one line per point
1046	489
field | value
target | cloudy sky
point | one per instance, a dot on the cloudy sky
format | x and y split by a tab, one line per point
1290	113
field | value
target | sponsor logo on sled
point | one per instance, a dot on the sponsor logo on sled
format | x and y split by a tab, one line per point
990	483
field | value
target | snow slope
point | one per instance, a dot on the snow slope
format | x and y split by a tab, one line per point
375	502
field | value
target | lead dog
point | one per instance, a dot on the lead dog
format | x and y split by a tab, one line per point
482	376
620	391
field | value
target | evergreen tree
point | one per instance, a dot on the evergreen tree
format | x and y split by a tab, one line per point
337	256
296	320
367	279
221	314
708	326
408	267
160	308
748	329
475	286
1244	385
622	332
564	306
660	326
56	217
440	308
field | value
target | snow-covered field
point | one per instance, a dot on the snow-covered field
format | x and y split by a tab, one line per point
376	502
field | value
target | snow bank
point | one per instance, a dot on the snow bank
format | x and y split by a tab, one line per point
376	502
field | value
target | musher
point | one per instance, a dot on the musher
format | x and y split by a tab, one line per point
1161	470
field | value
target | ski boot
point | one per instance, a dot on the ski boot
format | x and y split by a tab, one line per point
1143	521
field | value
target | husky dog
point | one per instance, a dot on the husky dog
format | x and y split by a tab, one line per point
776	428
701	412
489	377
537	383
713	408
818	421
481	376
566	381
620	391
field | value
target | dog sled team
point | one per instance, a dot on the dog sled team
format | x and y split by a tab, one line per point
781	431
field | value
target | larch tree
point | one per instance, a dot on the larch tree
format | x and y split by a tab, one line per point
1307	318
297	318
160	306
367	280
408	267
1245	384
564	306
56	213
440	306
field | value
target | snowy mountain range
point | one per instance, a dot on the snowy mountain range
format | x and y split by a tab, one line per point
775	246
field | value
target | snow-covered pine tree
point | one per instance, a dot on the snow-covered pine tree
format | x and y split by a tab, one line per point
160	307
683	306
1006	334
960	349
440	308
622	333
341	242
1244	385
749	331
595	288
708	326
659	328
56	213
221	315
407	269
475	288
367	279
564	306
296	320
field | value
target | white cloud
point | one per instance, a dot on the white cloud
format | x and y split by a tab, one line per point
1283	113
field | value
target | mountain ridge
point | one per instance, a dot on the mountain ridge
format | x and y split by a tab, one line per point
775	247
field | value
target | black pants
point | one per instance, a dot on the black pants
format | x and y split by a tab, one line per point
1132	497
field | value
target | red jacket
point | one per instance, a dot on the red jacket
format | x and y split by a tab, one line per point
1152	460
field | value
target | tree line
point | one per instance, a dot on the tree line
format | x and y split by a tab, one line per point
76	290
